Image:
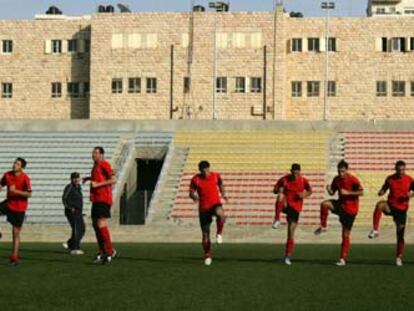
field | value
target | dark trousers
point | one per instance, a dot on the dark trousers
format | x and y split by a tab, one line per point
77	224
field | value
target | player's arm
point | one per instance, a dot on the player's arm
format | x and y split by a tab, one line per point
222	189
357	190
307	192
86	179
383	189
3	182
111	181
192	193
411	193
331	189
278	188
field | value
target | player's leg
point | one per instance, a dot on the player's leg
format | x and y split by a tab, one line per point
400	219
71	241
205	222
99	240
279	205
14	258
345	246
220	221
380	208
290	242
326	207
109	252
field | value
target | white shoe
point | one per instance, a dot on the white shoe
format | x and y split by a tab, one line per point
65	245
219	238
276	224
288	262
373	234
208	261
341	262
398	262
77	252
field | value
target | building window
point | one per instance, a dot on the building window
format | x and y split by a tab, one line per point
331	88
151	85
398	88
221	85
86	89
240	85
381	11
381	88
72	46
313	88
6	90
7	46
398	44
73	89
87	46
116	86
384	44
297	45
296	89
134	85
313	45
56	46
187	85
256	85
332	44
56	89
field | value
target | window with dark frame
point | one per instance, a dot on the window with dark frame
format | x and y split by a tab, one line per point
398	88
73	89
7	46
240	85
331	88
381	88
56	46
116	86
221	85
297	45
313	44
151	85
72	46
186	85
86	89
256	85
332	44
7	90
56	89
134	85
313	88
296	89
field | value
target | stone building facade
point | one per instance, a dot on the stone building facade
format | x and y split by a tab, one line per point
207	65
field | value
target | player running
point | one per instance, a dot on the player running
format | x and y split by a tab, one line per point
102	179
205	188
346	207
19	190
400	187
293	188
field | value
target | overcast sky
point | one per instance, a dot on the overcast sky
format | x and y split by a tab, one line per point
26	9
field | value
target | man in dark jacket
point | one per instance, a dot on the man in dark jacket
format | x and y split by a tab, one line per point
73	201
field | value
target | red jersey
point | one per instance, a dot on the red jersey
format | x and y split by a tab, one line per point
101	171
292	187
399	187
16	202
207	190
350	183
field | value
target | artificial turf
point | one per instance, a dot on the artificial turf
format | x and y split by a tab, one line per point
173	277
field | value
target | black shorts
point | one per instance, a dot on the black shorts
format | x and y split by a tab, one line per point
291	214
16	219
206	218
346	220
399	216
100	210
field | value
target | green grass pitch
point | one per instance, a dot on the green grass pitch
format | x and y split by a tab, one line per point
173	277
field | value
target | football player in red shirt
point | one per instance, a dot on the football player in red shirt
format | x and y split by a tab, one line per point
346	207
102	179
294	188
400	187
205	188
19	190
